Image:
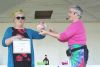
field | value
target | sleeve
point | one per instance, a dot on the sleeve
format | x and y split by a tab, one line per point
68	33
36	35
7	35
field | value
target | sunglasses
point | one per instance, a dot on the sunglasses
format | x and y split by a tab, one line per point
18	18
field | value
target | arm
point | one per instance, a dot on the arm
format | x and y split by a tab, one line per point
64	36
8	41
36	35
69	32
53	34
7	35
8	38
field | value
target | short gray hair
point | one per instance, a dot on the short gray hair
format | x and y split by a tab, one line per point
78	10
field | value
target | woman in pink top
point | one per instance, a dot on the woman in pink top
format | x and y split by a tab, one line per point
75	35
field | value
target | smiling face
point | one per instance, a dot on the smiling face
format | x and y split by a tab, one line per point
19	19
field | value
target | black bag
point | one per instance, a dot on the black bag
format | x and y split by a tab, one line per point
68	52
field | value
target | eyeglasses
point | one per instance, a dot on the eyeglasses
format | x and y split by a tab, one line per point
18	18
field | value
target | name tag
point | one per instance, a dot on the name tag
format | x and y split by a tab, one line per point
21	46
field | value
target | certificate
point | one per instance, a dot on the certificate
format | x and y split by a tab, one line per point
21	46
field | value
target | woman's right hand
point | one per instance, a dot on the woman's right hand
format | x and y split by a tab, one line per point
10	40
16	37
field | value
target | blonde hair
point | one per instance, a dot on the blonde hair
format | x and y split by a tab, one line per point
15	12
19	12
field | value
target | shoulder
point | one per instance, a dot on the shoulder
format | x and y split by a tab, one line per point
78	23
9	29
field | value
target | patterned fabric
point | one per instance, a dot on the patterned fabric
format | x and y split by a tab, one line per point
78	58
24	57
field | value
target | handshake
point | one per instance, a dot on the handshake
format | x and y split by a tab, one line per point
41	27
